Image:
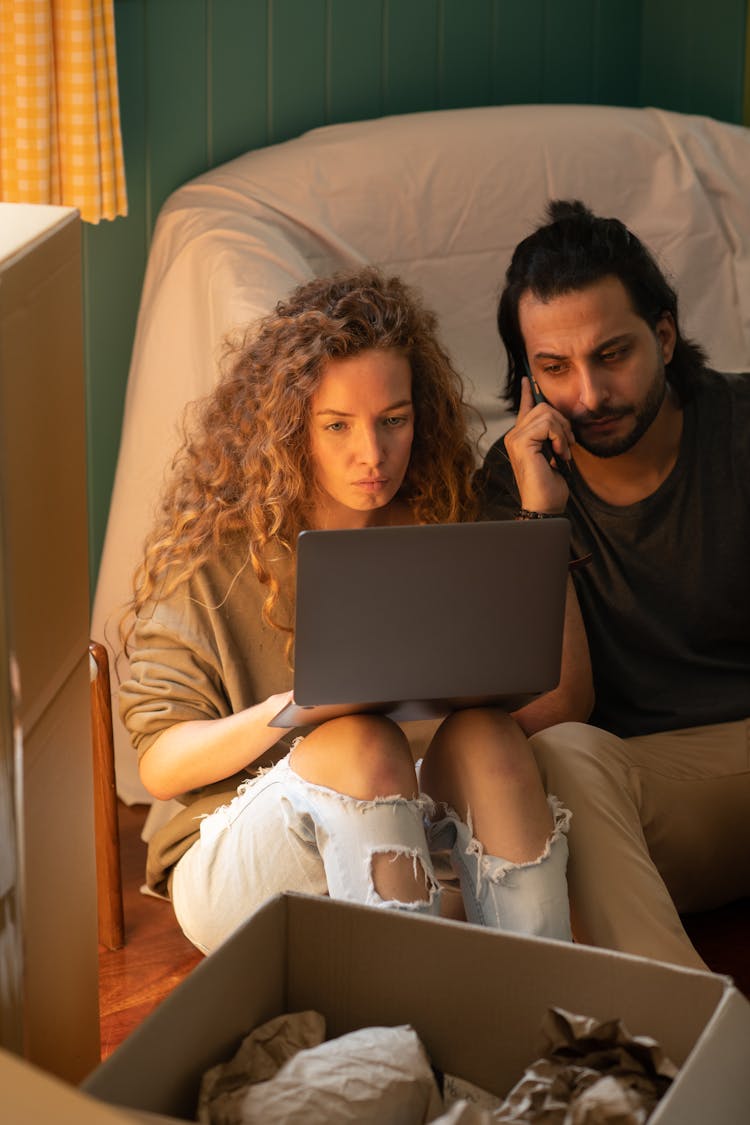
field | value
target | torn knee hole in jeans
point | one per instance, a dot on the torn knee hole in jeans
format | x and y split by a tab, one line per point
495	868
418	866
423	804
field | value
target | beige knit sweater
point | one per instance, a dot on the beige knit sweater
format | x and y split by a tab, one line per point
202	653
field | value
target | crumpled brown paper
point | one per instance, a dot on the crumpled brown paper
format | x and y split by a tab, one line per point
593	1073
465	1113
376	1075
260	1056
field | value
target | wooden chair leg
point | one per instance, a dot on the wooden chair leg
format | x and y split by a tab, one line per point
107	832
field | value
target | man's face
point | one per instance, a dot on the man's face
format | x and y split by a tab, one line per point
598	362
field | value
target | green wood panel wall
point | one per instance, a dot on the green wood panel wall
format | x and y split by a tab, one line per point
297	61
410	55
465	53
355	77
114	260
693	56
203	80
237	48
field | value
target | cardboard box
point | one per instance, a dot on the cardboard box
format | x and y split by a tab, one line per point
44	550
31	1096
476	998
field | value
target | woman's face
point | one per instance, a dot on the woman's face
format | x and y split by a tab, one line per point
361	431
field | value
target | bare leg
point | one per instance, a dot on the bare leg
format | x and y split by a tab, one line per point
507	840
481	764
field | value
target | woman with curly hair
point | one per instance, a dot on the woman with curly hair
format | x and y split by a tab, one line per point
341	410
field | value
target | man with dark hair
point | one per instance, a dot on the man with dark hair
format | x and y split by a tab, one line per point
623	428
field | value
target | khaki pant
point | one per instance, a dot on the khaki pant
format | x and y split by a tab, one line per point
661	825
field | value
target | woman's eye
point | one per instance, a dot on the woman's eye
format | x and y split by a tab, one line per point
336	427
394	420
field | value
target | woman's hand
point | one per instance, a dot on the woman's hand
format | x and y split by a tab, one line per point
541	487
198	752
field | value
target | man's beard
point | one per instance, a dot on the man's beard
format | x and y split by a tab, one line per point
643	417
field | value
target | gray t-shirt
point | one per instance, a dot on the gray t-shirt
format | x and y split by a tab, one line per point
666	596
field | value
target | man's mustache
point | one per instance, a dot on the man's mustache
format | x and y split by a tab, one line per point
599	416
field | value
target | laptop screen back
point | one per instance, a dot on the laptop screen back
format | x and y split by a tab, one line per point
430	612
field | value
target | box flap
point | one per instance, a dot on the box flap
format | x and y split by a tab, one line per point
242	984
23	225
30	1094
715	1084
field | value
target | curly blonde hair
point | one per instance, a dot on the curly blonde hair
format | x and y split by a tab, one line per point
244	467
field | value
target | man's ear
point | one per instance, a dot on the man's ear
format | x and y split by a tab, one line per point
666	333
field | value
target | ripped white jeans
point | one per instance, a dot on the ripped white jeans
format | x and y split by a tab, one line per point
282	833
522	898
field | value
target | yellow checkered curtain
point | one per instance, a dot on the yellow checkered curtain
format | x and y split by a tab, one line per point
60	139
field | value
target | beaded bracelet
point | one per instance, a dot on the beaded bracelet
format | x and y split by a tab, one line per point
525	514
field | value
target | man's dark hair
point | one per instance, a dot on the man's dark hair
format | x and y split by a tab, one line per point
576	249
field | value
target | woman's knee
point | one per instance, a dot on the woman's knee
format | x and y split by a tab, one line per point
479	724
482	741
365	756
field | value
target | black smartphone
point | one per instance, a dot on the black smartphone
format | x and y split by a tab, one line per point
560	465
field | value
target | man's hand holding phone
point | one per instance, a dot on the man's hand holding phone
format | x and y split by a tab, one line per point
539	447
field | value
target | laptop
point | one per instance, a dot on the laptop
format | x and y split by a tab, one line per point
417	621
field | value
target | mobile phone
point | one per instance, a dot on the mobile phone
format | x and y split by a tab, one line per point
560	465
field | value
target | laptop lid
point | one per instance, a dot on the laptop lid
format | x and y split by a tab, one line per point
418	621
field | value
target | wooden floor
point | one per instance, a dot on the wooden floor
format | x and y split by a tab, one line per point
156	956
